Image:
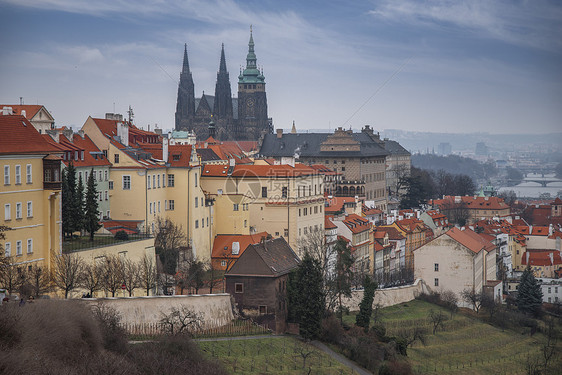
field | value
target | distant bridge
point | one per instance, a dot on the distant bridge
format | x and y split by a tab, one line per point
544	181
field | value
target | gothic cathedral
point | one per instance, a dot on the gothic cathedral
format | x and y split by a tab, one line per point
222	116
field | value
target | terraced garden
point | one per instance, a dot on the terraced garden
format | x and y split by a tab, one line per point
463	346
273	355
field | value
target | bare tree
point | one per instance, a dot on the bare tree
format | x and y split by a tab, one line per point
473	298
398	174
437	318
66	272
11	277
92	277
131	276
147	274
170	238
215	275
408	336
451	301
315	244
303	350
181	320
112	274
39	280
488	302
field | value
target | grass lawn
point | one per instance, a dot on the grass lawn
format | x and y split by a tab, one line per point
281	355
464	346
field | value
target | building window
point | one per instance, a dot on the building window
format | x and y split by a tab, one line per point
101	195
263	309
436	282
106	195
100	175
235	207
171	203
29	209
7	212
195	179
18	248
116	158
223	263
6	175
110	185
170	180
30	245
107	214
18	174
106	175
18	210
238	288
148	182
28	173
196	202
264	192
196	224
163	179
150	205
436	265
284	192
126	182
245	223
154	181
286	232
158	206
8	249
305	211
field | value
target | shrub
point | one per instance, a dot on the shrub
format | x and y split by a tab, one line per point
395	368
331	331
114	336
121	236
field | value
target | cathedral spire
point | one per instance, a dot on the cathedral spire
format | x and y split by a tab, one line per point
185	68
251	73
222	66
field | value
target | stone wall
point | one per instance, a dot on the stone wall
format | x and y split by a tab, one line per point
216	308
389	296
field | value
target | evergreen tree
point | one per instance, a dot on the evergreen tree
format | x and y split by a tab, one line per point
67	196
363	319
529	295
91	215
343	276
79	214
306	297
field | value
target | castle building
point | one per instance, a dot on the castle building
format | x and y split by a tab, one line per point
241	118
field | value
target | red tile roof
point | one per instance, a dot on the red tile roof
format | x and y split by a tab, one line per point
20	137
356	223
542	258
335	204
328	223
470	239
393	233
222	245
271	171
478	203
30	110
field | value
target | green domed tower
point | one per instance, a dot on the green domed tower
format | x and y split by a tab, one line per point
252	100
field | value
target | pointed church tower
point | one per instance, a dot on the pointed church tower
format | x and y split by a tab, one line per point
185	105
222	109
252	101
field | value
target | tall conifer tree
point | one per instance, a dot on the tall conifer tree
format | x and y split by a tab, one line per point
91	215
529	295
79	204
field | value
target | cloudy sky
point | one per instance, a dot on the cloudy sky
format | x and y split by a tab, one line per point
423	65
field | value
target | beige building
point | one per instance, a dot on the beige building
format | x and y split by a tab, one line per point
282	200
357	230
30	194
358	157
151	180
456	261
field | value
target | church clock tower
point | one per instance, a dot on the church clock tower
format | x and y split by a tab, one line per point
252	101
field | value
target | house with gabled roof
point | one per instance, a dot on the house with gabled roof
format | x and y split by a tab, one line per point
227	248
258	281
457	260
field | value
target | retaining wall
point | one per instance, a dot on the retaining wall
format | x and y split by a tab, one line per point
216	308
389	296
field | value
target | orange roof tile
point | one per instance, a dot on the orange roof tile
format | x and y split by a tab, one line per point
542	258
356	223
20	137
328	223
222	245
30	109
470	239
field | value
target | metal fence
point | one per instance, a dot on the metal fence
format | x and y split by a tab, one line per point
83	242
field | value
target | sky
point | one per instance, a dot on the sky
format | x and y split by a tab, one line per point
420	65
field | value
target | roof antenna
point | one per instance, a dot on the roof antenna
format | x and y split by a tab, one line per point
21	100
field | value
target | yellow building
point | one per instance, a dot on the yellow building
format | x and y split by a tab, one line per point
30	193
151	180
282	200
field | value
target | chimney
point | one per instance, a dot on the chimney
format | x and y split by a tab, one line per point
558	243
23	113
7	111
165	149
123	133
81	134
550	229
551	256
54	134
158	131
279	133
527	255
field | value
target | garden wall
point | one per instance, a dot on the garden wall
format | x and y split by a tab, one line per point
388	296
216	308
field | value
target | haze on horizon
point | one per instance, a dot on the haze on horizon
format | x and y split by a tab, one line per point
432	66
